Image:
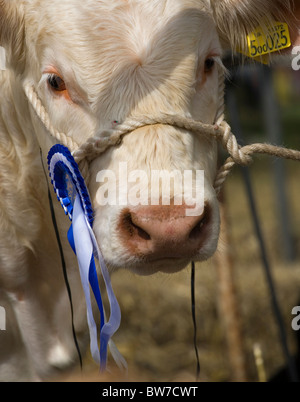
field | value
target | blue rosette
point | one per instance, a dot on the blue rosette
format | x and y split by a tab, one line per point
73	195
68	181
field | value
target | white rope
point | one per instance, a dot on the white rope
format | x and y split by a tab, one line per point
37	105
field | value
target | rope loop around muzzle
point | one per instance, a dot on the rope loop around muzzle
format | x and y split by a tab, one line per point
220	131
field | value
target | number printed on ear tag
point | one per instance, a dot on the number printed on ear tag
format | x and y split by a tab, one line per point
270	39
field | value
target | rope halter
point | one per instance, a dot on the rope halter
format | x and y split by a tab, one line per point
220	131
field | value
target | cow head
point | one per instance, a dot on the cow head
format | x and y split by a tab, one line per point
97	63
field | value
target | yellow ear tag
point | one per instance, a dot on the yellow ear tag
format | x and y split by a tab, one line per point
264	41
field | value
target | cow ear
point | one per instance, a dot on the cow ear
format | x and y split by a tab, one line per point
235	19
12	32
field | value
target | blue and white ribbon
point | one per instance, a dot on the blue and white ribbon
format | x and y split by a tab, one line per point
74	197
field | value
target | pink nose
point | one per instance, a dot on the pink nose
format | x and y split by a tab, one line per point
157	232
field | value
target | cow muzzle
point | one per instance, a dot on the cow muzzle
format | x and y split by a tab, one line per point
163	232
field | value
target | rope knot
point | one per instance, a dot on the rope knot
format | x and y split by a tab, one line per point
239	155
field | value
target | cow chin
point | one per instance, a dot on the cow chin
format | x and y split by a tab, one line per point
168	265
164	265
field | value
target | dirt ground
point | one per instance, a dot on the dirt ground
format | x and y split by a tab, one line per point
156	333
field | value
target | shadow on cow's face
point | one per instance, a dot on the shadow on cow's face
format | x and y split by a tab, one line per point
126	67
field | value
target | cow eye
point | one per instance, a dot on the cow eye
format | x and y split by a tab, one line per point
56	83
209	64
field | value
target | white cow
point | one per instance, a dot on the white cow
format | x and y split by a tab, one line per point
94	63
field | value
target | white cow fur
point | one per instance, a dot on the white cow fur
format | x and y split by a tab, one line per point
118	58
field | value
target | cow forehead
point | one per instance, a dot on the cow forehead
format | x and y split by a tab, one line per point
121	52
89	7
132	27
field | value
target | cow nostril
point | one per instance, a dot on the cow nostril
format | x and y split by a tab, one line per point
133	229
162	231
197	230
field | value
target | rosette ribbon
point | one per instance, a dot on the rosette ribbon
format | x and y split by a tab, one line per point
73	195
